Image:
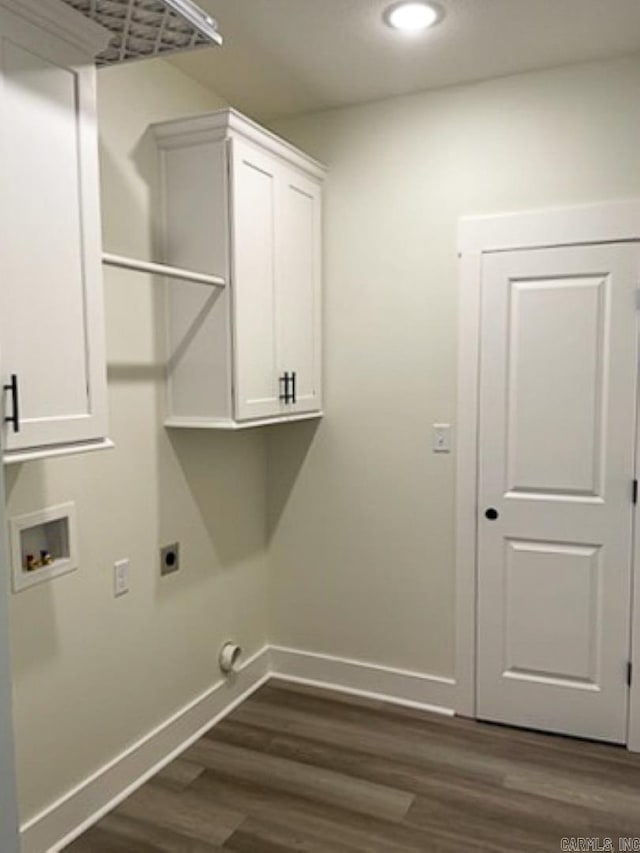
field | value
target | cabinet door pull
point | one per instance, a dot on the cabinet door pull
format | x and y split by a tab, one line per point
15	403
293	385
284	380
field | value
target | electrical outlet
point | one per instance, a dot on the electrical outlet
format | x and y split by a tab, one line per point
120	577
170	558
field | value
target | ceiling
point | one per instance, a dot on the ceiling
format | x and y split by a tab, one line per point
282	57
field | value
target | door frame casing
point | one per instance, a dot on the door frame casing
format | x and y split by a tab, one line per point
536	229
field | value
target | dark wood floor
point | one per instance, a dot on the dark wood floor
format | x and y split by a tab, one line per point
302	769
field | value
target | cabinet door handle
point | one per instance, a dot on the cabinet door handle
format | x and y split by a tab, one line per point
14	418
293	385
284	380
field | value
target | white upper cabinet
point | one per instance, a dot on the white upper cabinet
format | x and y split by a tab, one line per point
241	203
52	353
299	286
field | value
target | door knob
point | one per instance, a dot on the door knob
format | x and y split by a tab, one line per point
491	514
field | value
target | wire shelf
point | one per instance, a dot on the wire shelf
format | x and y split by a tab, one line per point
145	28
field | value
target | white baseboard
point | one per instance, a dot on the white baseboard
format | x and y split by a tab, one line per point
67	818
402	687
72	814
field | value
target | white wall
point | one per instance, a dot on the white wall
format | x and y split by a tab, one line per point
361	511
92	673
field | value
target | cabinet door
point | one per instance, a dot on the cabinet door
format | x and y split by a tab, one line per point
254	195
51	332
298	292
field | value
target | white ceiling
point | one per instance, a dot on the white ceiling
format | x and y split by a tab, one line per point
290	56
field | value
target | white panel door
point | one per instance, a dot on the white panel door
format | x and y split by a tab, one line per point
298	292
556	464
50	277
254	199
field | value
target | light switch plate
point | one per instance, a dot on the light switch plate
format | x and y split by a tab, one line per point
120	578
441	438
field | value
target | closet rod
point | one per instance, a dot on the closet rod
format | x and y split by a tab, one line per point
161	269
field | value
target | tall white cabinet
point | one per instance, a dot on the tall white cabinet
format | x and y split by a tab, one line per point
241	203
8	799
51	317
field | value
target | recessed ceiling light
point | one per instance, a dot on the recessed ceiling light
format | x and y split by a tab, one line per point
412	16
